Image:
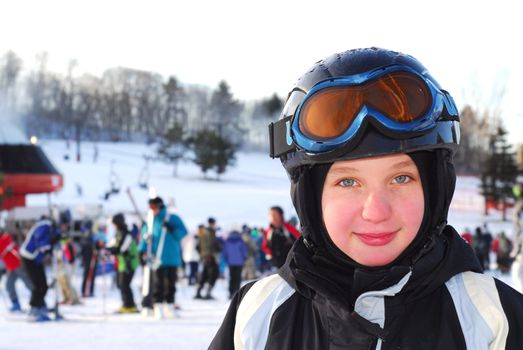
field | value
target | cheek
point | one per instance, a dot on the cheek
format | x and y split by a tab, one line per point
338	216
412	214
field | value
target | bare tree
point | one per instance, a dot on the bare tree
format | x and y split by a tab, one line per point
10	66
479	119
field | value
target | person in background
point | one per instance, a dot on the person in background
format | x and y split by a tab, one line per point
487	236
209	248
89	254
235	254
167	232
125	249
279	237
12	265
480	247
38	242
191	256
249	268
65	266
467	236
502	246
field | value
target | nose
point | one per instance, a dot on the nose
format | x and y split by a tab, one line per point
377	207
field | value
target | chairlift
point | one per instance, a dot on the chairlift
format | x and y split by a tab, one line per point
114	183
143	177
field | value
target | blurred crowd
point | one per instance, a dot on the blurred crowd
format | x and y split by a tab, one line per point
50	252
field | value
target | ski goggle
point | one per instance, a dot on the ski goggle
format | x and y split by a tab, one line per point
397	100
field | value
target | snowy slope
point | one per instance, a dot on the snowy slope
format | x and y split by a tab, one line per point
241	196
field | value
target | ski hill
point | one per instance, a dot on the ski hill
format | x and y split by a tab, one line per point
242	195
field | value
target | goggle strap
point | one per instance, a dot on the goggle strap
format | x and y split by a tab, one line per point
280	139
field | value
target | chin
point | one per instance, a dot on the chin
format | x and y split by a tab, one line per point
375	261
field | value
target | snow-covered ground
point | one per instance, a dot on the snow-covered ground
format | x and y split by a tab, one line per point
94	325
242	195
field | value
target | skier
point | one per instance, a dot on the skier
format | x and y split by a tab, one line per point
167	232
89	249
502	246
10	258
278	238
467	236
249	268
39	241
367	138
235	254
65	266
481	248
191	257
126	251
209	248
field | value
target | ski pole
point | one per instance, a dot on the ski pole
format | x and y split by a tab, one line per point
57	315
102	251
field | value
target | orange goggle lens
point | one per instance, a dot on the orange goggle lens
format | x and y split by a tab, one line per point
400	96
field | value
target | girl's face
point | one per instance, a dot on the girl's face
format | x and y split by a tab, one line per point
373	207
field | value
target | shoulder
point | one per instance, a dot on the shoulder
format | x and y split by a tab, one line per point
487	309
291	228
172	217
258	305
246	324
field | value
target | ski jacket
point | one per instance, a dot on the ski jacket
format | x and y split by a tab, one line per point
39	241
278	241
190	253
234	250
126	251
442	301
208	244
171	254
69	252
9	252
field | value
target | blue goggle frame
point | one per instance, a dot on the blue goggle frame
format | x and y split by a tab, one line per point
440	100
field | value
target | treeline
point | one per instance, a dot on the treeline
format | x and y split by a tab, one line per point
188	122
126	104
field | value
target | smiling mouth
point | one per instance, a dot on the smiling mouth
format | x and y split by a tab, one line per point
376	239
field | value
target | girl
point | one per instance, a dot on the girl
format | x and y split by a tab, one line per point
367	138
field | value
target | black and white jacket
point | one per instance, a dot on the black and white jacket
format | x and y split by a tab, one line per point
440	302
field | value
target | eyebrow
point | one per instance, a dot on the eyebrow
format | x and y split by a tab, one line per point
396	166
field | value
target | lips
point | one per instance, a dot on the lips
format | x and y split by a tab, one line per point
376	239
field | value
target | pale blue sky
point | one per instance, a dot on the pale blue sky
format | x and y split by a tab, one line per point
261	47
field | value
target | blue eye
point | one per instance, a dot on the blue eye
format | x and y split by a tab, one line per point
402	179
348	183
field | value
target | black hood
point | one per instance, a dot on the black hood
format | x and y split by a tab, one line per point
315	266
316	276
438	180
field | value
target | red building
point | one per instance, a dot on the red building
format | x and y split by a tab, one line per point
25	169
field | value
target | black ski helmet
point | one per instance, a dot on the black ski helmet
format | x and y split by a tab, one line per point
307	169
371	139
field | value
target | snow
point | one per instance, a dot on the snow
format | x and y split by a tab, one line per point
94	325
242	195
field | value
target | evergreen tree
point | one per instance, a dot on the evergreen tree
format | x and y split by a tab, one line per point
499	172
225	113
273	105
172	146
212	151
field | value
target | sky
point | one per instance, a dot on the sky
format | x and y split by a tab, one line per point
473	48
